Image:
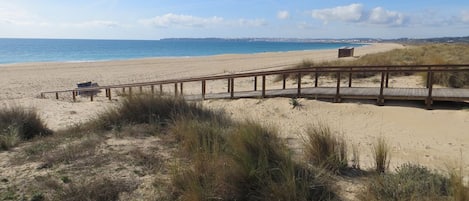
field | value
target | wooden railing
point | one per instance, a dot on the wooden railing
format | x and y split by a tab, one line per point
339	71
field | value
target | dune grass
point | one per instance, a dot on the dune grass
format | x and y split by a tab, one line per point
381	155
412	55
214	158
19	124
325	149
243	161
147	109
409	182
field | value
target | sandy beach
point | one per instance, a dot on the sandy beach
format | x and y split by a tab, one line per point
435	138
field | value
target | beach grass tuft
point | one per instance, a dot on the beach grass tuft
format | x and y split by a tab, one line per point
381	155
18	124
242	161
409	182
325	149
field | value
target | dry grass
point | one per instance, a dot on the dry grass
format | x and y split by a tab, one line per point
216	159
381	155
459	188
410	182
99	188
18	124
147	109
241	162
414	55
325	149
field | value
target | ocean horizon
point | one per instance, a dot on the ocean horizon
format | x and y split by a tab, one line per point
86	50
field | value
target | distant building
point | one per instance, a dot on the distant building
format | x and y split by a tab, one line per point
346	52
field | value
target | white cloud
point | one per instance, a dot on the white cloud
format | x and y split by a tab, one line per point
465	16
355	13
350	13
283	14
171	19
379	15
175	20
252	23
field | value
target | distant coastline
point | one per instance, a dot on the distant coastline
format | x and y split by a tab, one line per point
83	50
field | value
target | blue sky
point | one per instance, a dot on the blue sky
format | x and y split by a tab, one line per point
145	19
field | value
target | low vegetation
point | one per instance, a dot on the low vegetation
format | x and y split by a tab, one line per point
409	182
19	124
325	149
182	151
412	55
381	155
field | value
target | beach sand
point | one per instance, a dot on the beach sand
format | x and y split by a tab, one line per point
435	138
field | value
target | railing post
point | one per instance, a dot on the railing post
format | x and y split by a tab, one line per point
255	83
110	96
429	100
74	95
387	77
263	86
176	89
337	93
232	88
350	78
130	91
123	90
229	86
182	88
203	89
140	88
161	89
284	81
381	90
152	89
91	96
57	95
299	85
316	77
42	95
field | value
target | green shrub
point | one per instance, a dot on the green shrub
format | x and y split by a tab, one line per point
325	149
17	123
410	182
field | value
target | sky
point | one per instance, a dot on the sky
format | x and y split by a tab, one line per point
156	19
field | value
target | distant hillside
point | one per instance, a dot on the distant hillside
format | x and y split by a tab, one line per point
432	40
332	40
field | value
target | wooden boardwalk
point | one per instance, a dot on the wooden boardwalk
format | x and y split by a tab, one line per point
427	93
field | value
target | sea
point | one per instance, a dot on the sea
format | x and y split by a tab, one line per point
81	50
